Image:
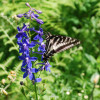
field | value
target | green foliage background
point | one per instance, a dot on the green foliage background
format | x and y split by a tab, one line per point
71	70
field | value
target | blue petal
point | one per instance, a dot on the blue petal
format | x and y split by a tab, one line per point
48	69
26	52
18	35
34	70
33	77
23	25
24	63
40	39
20	50
23	69
38	79
18	28
21	57
32	44
19	38
19	43
33	58
41	29
30	76
39	21
29	64
32	29
36	37
24	34
36	15
39	48
25	75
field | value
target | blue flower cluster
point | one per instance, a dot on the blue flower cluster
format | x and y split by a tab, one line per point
26	45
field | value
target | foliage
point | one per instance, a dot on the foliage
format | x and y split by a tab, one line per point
71	72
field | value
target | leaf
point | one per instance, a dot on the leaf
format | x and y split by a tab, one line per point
90	58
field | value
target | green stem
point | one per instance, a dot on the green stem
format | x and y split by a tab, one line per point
91	96
36	91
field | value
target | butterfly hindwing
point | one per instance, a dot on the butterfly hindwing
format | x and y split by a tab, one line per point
55	44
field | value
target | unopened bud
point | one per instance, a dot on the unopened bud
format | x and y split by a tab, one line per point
79	94
33	81
10	77
82	91
83	74
13	73
38	11
21	83
20	15
85	97
15	17
3	81
27	4
96	79
4	92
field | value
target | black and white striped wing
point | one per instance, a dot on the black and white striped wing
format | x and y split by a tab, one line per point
55	44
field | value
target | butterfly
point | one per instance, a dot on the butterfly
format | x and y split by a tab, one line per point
58	43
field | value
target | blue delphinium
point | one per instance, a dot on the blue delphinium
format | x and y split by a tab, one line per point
26	45
21	32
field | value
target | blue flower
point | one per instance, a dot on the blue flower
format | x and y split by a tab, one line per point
36	79
39	12
29	71
41	47
47	65
40	34
25	45
21	32
27	60
30	14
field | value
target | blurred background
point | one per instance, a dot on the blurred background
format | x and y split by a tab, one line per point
75	72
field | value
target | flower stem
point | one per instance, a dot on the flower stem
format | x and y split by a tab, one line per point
91	96
36	91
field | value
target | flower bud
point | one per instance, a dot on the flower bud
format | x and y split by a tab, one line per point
96	79
10	77
38	11
21	83
83	74
85	97
13	73
15	17
3	81
79	94
20	15
27	4
33	81
4	92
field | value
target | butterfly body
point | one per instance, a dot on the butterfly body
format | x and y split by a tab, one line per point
57	43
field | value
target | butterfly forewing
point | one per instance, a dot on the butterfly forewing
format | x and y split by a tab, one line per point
55	44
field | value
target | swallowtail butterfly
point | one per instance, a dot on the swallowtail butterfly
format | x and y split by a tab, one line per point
57	43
